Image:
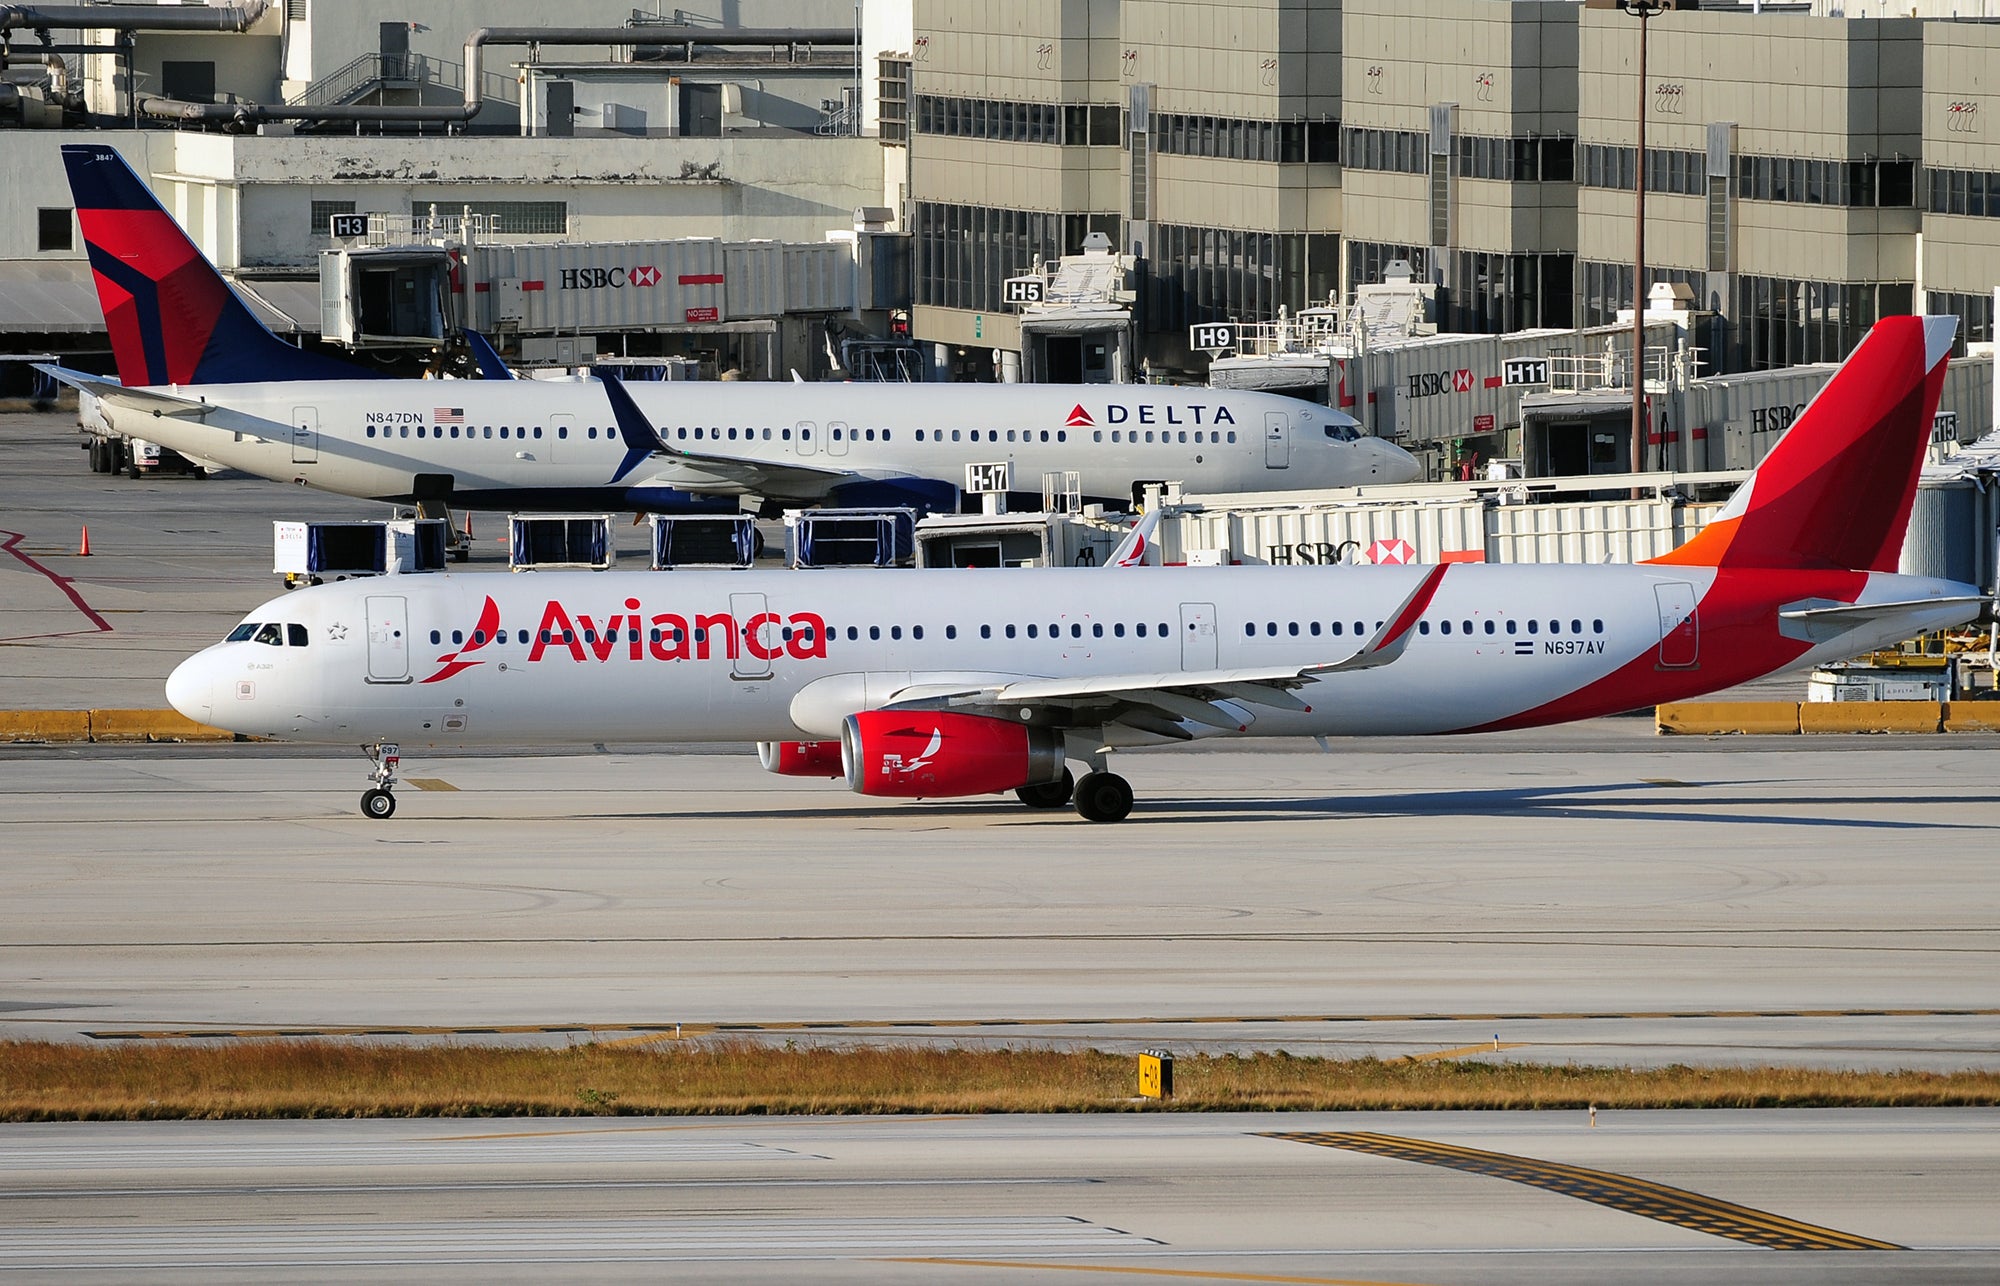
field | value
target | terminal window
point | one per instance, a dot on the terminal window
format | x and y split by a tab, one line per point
530	218
54	230
322	212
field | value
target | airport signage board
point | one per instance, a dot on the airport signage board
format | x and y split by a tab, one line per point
987	479
1022	290
346	227
1213	337
1525	370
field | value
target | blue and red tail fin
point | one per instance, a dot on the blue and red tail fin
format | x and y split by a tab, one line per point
172	318
1836	491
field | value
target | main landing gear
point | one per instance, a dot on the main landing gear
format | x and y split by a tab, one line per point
1048	794
379	801
1103	797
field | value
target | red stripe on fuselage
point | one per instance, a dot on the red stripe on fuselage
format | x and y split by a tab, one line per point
1738	640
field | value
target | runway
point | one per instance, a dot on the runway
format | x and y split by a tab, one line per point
1009	1199
1597	895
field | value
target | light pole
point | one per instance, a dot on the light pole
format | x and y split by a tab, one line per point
1644	10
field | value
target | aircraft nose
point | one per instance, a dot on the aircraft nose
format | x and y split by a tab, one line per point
190	689
1393	464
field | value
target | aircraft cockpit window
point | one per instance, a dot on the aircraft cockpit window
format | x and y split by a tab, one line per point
295	635
241	632
1340	432
270	634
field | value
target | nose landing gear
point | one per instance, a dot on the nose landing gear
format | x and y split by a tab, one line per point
379	801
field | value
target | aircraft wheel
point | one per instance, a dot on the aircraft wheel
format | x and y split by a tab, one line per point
132	468
97	455
378	804
1103	797
1048	794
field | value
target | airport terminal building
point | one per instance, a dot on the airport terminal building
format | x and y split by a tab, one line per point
1807	173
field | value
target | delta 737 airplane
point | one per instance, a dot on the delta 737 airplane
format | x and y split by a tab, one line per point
951	683
197	372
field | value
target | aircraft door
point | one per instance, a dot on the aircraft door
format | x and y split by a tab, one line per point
757	637
1198	641
305	435
1277	439
837	437
1680	631
388	638
561	429
805	437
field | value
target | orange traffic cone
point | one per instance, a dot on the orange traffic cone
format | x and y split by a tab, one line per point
83	551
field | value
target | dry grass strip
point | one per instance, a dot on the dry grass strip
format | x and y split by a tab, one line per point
42	1081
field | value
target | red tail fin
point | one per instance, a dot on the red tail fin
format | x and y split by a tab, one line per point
1837	489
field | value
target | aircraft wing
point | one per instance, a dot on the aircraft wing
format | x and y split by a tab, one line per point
697	470
1160	701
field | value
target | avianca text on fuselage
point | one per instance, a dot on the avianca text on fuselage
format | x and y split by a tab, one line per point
661	636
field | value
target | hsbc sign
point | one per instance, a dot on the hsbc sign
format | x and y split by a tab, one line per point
609	278
1432	383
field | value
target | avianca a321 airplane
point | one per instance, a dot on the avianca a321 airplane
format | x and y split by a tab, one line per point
951	683
197	372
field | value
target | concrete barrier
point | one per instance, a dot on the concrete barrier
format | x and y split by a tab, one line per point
1972	716
44	725
1871	716
1708	718
151	725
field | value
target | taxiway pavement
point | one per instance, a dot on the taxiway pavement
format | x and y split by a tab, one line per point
1593	894
1406	1197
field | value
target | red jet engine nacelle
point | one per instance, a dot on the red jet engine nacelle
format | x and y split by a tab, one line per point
928	754
800	758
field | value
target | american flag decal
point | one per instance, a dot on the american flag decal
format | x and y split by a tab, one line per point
449	415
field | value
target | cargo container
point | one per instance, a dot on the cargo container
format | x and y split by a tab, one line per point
309	553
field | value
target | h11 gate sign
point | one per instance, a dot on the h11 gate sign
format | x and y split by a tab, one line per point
1525	370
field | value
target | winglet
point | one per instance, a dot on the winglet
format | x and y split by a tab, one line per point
490	365
1395	634
642	440
1131	551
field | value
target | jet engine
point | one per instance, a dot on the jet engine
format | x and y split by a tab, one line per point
800	758
927	754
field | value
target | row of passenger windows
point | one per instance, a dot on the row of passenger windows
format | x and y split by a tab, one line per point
704	433
1490	626
269	633
1132	435
1033	630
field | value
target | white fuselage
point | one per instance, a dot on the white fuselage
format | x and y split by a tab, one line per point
550	444
743	656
